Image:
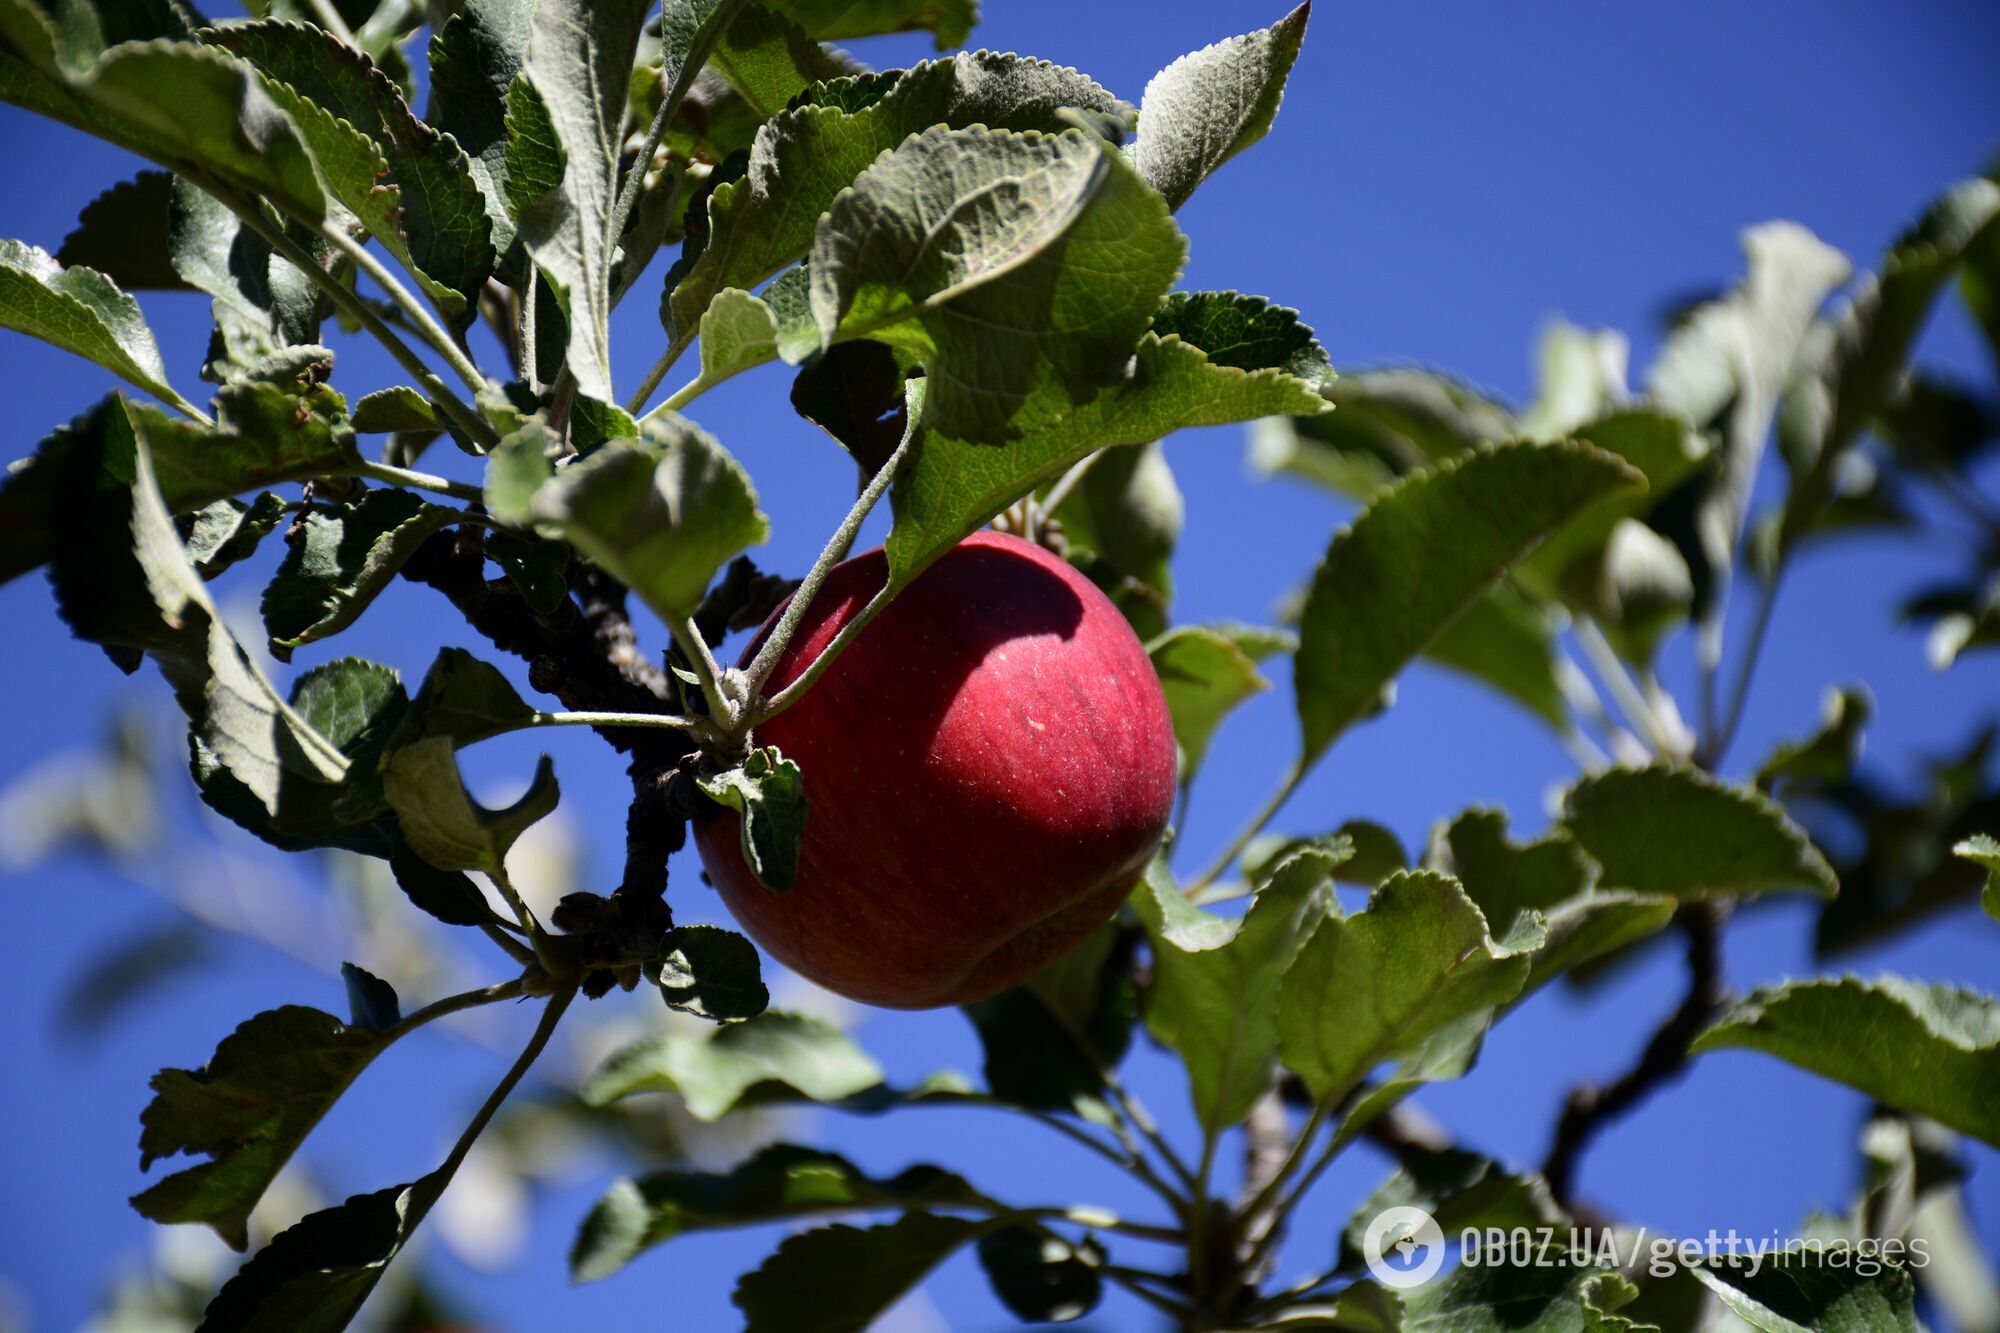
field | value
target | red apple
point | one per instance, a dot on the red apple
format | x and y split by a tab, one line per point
988	767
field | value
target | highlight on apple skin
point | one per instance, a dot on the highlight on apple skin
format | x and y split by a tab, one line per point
988	767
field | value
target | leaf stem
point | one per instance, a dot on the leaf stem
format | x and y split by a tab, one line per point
1716	744
676	345
1624	690
830	555
451	1004
1066	483
423	481
415	311
1290	784
188	410
706	36
551	1016
510	946
669	721
514	900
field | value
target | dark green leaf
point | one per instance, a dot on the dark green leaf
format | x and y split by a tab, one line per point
1830	754
1674	830
442	822
1794	1291
713	973
1388	423
1460	1190
1509	643
1554	1297
445	894
248	1109
1417	557
474	57
342	557
769	59
538	569
313	1277
780	1183
1048	1041
834	20
1932	1049
1213	103
853	393
838	1279
1246	332
1041	1277
371	1001
768	794
464	699
123	235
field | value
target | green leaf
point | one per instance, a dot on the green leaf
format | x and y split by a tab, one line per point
1727	364
1121	524
951	486
1506	879
1213	103
1005	296
262	303
838	1279
1830	754
1674	830
1416	557
1204	675
782	1182
579	60
1580	376
445	894
443	823
1505	640
1460	1190
1929	1048
661	514
769	59
712	973
81	311
228	531
538	569
341	559
1215	991
950	21
1373	987
427	209
1661	447
400	408
1246	332
122	233
266	435
181	104
1041	1277
1794	1291
314	1276
804	158
474	57
768	793
1857	367
714	1069
1505	1298
1594	925
1388	423
465	700
247	1109
371	1001
519	466
1985	850
1048	1041
122	579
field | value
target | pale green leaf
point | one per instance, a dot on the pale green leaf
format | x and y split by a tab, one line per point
441	820
579	59
1416	557
1933	1049
803	158
1985	850
715	1068
1204	676
661	514
1211	104
1674	830
1214	997
81	311
400	408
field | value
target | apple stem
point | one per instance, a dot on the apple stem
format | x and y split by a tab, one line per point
766	661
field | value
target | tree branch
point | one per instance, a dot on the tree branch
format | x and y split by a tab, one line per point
1590	1109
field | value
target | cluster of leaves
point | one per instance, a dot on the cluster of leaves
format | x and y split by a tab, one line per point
1018	357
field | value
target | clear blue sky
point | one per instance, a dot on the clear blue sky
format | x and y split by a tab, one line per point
1442	179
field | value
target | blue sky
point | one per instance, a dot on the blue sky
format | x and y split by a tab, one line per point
1443	178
